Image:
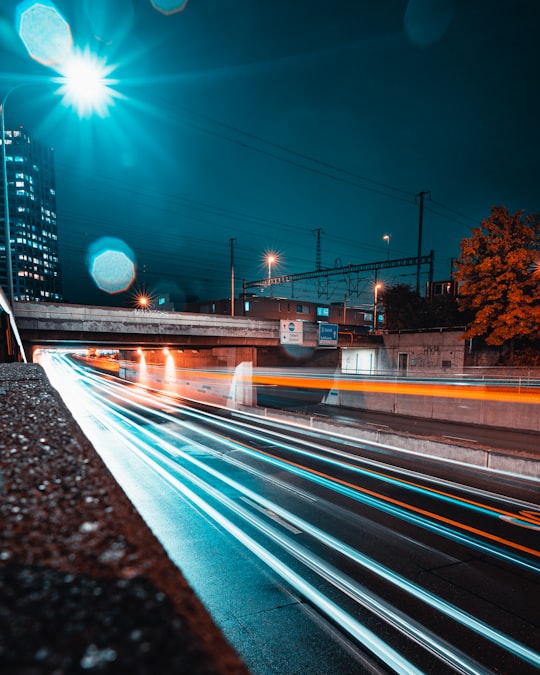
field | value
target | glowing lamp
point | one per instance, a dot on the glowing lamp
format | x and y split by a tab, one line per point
85	84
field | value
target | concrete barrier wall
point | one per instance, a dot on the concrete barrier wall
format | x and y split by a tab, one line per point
483	458
513	415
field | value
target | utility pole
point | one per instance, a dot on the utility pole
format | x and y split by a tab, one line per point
420	225
232	275
318	232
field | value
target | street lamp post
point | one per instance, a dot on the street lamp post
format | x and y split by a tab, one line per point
376	290
94	75
386	238
270	259
7	225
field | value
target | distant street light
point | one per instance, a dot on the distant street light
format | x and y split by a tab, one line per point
270	259
386	238
74	92
376	290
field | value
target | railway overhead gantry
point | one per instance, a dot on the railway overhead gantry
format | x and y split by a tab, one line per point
350	274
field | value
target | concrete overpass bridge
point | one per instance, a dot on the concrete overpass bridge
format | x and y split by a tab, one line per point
201	341
167	342
43	324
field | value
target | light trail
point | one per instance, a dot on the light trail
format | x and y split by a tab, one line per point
434	644
407	484
378	500
334	576
167	469
471	389
343	619
346	488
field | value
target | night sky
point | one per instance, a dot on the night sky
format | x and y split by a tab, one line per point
268	121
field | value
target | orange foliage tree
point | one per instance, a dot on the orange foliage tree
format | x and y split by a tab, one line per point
499	279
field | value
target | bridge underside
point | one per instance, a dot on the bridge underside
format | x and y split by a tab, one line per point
32	339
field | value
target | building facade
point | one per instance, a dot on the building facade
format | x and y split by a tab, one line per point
264	307
32	218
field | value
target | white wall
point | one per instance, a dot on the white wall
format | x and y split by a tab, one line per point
359	361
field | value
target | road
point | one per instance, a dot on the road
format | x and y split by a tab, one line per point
453	432
315	554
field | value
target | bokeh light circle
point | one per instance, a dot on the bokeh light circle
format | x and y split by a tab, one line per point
111	264
169	6
44	32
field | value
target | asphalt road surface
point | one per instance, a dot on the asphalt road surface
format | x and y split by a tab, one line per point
316	554
474	434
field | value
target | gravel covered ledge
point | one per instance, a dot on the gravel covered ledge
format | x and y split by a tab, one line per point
84	584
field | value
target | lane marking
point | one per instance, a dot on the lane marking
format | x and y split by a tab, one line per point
272	515
460	438
415	509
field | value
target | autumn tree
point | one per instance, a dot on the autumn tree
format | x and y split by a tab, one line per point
497	280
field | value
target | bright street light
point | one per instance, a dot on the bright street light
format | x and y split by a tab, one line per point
270	259
376	290
386	238
84	85
143	302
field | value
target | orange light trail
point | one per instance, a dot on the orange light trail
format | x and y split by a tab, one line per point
481	392
532	517
457	391
407	507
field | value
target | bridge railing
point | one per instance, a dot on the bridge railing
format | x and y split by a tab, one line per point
10	350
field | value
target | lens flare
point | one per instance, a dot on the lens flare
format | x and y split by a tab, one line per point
85	84
44	32
169	6
111	264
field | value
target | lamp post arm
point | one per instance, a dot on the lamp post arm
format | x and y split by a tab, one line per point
7	225
7	229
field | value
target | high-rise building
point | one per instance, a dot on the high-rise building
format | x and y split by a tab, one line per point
32	219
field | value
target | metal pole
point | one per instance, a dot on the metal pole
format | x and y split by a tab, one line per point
375	304
7	229
387	239
7	225
420	225
232	276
